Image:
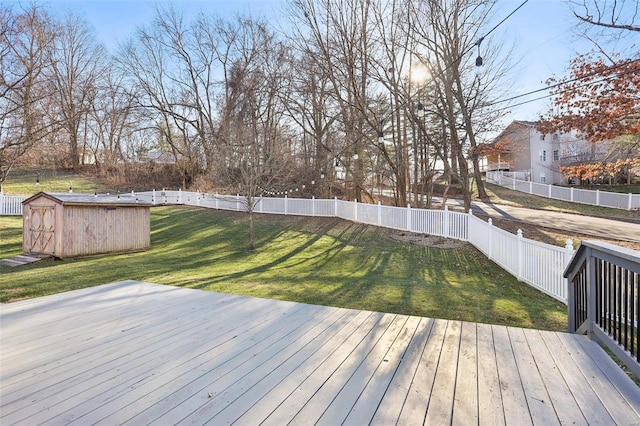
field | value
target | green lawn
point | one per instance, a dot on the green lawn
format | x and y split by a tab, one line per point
312	260
23	182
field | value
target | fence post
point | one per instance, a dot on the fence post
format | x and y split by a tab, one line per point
335	206
313	206
597	197
260	205
285	205
355	210
520	256
572	194
630	204
198	197
445	231
237	202
179	195
549	191
1	203
530	187
490	222
409	217
380	212
153	197
513	183
216	198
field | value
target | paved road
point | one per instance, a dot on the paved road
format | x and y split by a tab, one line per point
588	225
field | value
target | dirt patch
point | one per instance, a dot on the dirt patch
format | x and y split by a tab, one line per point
427	240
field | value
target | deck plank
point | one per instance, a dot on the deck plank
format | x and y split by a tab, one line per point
490	409
465	405
137	353
388	412
538	401
514	400
415	406
565	405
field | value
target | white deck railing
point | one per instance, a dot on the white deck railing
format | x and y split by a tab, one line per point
613	200
11	205
538	264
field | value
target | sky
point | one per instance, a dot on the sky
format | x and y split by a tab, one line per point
541	33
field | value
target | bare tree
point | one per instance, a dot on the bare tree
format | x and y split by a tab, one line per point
26	39
610	14
256	151
76	64
449	32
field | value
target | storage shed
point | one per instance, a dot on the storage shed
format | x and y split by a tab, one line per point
69	225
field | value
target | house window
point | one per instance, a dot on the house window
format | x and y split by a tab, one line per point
556	137
541	136
543	155
543	177
556	155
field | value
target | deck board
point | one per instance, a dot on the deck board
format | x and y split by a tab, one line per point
138	353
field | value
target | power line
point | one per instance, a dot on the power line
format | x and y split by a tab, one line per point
560	92
562	83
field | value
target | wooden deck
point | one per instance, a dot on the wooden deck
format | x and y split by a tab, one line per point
140	353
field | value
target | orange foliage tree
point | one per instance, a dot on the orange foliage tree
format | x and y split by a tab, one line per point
600	100
603	172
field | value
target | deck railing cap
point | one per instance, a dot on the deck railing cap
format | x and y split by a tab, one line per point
601	246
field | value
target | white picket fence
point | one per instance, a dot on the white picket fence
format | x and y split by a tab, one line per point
11	205
583	196
538	264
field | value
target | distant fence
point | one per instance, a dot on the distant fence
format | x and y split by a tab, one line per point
11	205
583	196
538	264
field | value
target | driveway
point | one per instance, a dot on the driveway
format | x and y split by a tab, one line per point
587	225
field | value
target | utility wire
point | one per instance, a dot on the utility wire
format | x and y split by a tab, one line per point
562	83
560	92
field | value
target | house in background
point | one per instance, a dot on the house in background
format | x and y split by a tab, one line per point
535	156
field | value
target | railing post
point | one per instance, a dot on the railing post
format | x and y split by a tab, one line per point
379	213
286	202
409	217
520	255
591	291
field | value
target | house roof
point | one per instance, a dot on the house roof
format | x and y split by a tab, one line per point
71	199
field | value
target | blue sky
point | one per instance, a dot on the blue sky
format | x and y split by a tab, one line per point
541	32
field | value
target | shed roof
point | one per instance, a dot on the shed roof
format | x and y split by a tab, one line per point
71	199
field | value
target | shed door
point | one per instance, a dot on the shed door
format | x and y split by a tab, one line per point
42	229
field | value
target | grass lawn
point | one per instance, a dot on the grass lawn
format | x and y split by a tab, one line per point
23	182
312	260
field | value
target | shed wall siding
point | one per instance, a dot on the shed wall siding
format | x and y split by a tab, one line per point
93	230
